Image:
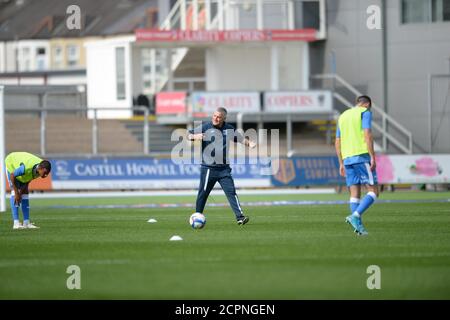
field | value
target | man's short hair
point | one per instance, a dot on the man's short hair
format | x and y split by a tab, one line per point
364	99
223	111
46	165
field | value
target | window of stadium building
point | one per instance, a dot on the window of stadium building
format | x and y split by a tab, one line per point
57	57
73	55
425	11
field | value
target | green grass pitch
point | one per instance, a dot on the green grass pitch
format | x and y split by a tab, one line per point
285	252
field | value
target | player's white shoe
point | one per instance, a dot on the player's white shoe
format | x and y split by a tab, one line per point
30	226
18	226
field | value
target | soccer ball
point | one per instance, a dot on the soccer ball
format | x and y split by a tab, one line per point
197	220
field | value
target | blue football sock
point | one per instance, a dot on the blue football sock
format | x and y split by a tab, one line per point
25	207
366	202
14	209
354	203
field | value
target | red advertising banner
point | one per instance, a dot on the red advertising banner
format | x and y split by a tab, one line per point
225	35
170	102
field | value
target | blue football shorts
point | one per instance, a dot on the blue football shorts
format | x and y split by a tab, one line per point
360	173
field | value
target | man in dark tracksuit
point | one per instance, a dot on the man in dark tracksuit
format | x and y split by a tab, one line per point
215	137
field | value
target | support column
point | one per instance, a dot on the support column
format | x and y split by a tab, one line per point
207	14
289	133
183	14
229	19
153	71
195	14
95	133
220	13
261	137
291	15
259	15
305	65
274	68
170	85
430	114
43	127
2	153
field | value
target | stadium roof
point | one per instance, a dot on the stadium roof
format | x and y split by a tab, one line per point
45	19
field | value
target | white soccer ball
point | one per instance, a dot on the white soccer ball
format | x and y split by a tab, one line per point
197	220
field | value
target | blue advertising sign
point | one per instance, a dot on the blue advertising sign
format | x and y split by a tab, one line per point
110	173
301	171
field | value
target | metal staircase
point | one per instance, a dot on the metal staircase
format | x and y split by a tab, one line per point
387	131
159	136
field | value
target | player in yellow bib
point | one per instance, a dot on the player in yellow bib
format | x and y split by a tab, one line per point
21	168
354	148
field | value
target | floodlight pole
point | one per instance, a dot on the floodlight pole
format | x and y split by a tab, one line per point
430	134
2	153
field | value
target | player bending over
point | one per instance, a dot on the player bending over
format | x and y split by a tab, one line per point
21	169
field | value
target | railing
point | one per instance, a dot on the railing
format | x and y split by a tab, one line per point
87	114
177	18
192	15
387	121
190	82
227	14
224	15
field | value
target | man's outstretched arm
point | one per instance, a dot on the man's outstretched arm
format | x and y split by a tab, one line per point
239	137
195	136
249	143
